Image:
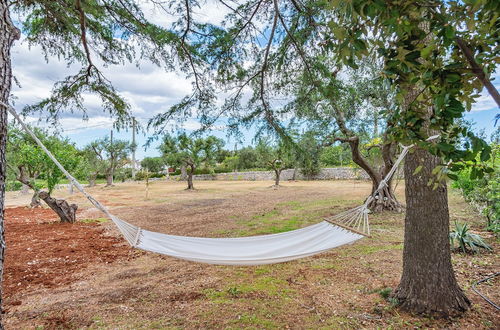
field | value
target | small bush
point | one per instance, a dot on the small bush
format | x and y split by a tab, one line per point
467	241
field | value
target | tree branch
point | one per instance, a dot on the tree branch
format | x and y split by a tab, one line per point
478	70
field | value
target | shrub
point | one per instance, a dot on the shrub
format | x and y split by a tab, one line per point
467	241
483	193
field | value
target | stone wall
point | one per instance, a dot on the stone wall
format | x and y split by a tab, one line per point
335	173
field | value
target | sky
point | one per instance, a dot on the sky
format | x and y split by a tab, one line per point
149	90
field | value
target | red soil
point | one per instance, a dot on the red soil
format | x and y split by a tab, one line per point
43	252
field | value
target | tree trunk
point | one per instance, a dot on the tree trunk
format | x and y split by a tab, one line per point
92	179
8	34
109	178
190	181
190	178
385	199
277	174
65	211
428	283
35	200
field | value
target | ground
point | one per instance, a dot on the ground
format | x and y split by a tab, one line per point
84	275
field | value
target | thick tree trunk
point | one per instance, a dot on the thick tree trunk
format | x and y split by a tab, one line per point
190	174
384	200
92	181
65	211
190	181
428	283
109	178
8	34
277	175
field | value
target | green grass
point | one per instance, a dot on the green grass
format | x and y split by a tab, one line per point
288	216
98	220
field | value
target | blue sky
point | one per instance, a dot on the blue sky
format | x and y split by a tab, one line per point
149	90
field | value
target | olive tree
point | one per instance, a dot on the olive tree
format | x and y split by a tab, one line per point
190	152
111	154
29	162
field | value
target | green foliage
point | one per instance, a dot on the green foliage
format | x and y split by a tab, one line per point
230	163
423	52
307	154
275	155
142	175
336	156
153	164
183	150
29	162
247	158
467	241
91	32
304	46
107	155
483	193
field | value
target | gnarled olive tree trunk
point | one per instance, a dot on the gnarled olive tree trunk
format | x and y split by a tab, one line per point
65	211
385	199
190	174
277	175
8	34
109	177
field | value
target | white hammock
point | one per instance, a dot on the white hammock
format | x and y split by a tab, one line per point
344	228
254	250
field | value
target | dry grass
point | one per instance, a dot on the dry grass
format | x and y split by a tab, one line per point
338	289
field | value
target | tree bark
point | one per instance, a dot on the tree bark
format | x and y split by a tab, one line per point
109	178
478	70
8	34
190	178
65	211
385	200
277	175
35	200
428	283
92	179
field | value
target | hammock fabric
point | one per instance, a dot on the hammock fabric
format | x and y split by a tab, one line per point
344	228
253	250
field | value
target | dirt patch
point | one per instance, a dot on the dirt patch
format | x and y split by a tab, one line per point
44	253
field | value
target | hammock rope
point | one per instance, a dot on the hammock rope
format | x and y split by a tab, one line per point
343	228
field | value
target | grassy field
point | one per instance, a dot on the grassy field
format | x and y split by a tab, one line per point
344	288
